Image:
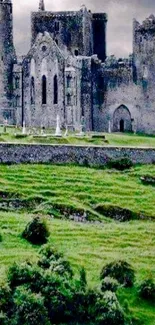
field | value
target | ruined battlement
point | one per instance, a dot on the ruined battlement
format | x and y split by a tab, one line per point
148	25
112	62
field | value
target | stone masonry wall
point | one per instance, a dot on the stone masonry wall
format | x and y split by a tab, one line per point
67	154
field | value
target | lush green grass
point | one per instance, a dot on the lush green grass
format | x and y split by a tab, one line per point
91	246
88	245
122	139
115	139
43	186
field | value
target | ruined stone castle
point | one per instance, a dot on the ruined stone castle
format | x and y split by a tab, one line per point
67	73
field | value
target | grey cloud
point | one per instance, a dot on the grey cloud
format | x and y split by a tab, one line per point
119	28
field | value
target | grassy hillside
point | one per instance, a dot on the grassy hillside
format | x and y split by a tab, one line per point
42	188
26	190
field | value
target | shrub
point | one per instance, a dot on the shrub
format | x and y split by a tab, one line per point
147	289
4	319
51	259
120	164
58	294
49	294
36	232
109	311
119	270
24	274
5	298
48	254
0	238
30	309
83	278
62	268
109	284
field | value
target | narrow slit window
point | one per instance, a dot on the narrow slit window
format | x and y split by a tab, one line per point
55	89
68	100
57	26
32	94
44	90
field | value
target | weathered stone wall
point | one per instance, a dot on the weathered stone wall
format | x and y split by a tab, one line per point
122	91
66	154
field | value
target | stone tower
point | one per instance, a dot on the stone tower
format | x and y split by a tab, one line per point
143	49
99	35
7	59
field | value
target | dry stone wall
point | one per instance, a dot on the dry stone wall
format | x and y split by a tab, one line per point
67	154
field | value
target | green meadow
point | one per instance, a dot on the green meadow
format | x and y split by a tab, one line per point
27	190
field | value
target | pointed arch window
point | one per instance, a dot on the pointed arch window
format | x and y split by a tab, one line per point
55	89
44	90
32	91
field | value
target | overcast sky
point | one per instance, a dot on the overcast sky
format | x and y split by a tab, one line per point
119	28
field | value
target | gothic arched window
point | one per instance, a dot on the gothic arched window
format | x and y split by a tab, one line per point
44	90
55	89
32	91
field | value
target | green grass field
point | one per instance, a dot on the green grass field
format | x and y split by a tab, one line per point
114	139
41	187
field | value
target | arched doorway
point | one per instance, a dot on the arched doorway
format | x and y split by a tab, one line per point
122	120
121	125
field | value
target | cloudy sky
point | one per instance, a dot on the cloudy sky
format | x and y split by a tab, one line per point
120	16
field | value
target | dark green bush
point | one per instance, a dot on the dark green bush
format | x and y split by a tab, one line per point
51	259
4	320
30	309
119	270
5	298
109	311
36	232
109	284
48	254
62	267
58	294
24	274
120	164
83	278
147	289
49	293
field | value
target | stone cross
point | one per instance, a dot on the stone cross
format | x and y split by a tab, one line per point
58	129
